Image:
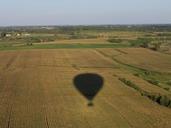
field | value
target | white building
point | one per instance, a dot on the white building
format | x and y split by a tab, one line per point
8	35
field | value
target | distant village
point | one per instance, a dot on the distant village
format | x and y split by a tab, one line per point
13	34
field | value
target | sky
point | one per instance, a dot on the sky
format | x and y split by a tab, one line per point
84	12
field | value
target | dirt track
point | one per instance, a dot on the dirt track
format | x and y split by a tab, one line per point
37	91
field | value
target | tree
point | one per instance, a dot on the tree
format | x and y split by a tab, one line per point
141	42
3	34
157	46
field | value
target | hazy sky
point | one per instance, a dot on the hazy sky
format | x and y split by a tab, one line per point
78	12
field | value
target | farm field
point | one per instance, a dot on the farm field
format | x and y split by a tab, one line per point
142	58
37	89
79	41
85	64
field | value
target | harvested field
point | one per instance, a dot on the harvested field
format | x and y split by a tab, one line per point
142	58
37	91
79	41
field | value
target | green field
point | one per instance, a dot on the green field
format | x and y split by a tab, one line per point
61	46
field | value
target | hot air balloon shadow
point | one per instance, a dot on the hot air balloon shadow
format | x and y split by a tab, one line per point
88	85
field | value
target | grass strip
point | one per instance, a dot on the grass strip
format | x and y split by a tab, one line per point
156	97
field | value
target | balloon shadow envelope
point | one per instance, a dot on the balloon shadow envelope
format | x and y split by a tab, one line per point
88	85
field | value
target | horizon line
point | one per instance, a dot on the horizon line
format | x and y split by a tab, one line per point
58	25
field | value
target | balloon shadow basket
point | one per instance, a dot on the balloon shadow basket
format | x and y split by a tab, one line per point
90	104
89	85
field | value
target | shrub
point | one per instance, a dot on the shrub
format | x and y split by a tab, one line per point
115	40
169	82
136	74
157	46
147	73
158	98
166	88
29	44
155	82
130	84
140	42
3	34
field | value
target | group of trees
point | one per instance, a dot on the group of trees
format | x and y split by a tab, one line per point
151	43
3	34
154	44
115	40
142	42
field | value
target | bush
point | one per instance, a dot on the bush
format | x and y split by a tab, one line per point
166	88
130	84
115	40
165	101
157	46
136	74
158	98
169	82
3	34
140	42
155	82
29	44
147	73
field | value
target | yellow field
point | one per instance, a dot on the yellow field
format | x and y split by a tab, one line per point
142	58
37	91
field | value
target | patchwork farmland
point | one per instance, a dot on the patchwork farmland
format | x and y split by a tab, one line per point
37	89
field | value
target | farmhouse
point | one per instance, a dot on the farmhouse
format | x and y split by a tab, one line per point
8	35
25	34
4	34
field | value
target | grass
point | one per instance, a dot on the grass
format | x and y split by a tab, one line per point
158	98
160	79
130	84
61	46
156	78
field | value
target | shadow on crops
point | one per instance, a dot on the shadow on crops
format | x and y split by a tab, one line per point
88	85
